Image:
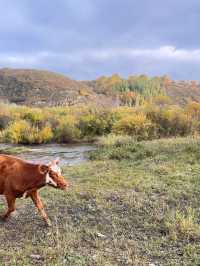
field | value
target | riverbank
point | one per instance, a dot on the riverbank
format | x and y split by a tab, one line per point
69	154
131	204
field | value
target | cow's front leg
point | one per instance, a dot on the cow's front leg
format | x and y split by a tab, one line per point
11	205
38	203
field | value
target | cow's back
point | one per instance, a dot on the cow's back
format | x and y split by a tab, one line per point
13	171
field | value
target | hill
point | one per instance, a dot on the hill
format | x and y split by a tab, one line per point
182	92
44	88
137	88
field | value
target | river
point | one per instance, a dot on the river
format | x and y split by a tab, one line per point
68	154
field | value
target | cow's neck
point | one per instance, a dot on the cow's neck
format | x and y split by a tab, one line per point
38	181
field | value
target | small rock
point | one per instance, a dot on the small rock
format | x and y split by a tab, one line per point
94	256
101	235
109	250
35	256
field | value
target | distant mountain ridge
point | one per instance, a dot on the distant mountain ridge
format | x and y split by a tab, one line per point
44	88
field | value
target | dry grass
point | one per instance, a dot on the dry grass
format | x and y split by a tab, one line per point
138	209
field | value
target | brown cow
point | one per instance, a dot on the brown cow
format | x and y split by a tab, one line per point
19	179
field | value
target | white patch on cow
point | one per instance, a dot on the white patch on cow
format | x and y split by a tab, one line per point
50	181
56	169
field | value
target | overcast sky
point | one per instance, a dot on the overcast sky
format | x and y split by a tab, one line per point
85	39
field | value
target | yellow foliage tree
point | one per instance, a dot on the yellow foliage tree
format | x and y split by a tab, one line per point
137	125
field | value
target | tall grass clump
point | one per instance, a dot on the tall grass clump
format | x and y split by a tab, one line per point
183	225
115	140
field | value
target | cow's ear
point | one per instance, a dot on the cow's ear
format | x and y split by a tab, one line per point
44	169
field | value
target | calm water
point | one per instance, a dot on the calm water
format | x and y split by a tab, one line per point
68	154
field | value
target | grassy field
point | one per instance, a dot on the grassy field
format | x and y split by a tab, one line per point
131	204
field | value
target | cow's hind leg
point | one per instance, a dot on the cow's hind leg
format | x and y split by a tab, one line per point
11	205
38	203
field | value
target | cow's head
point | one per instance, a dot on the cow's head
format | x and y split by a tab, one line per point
53	176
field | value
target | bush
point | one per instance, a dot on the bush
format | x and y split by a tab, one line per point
193	110
137	125
20	124
134	151
67	130
35	117
162	100
22	132
123	111
45	135
170	121
115	140
4	121
176	123
17	132
96	124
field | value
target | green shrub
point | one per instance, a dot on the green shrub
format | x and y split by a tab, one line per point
134	151
67	130
115	140
4	121
170	121
96	123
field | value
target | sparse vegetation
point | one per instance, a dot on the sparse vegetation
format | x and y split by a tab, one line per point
134	203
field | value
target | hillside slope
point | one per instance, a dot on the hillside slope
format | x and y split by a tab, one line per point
182	92
44	88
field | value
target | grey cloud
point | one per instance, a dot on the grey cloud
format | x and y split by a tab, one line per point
85	39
